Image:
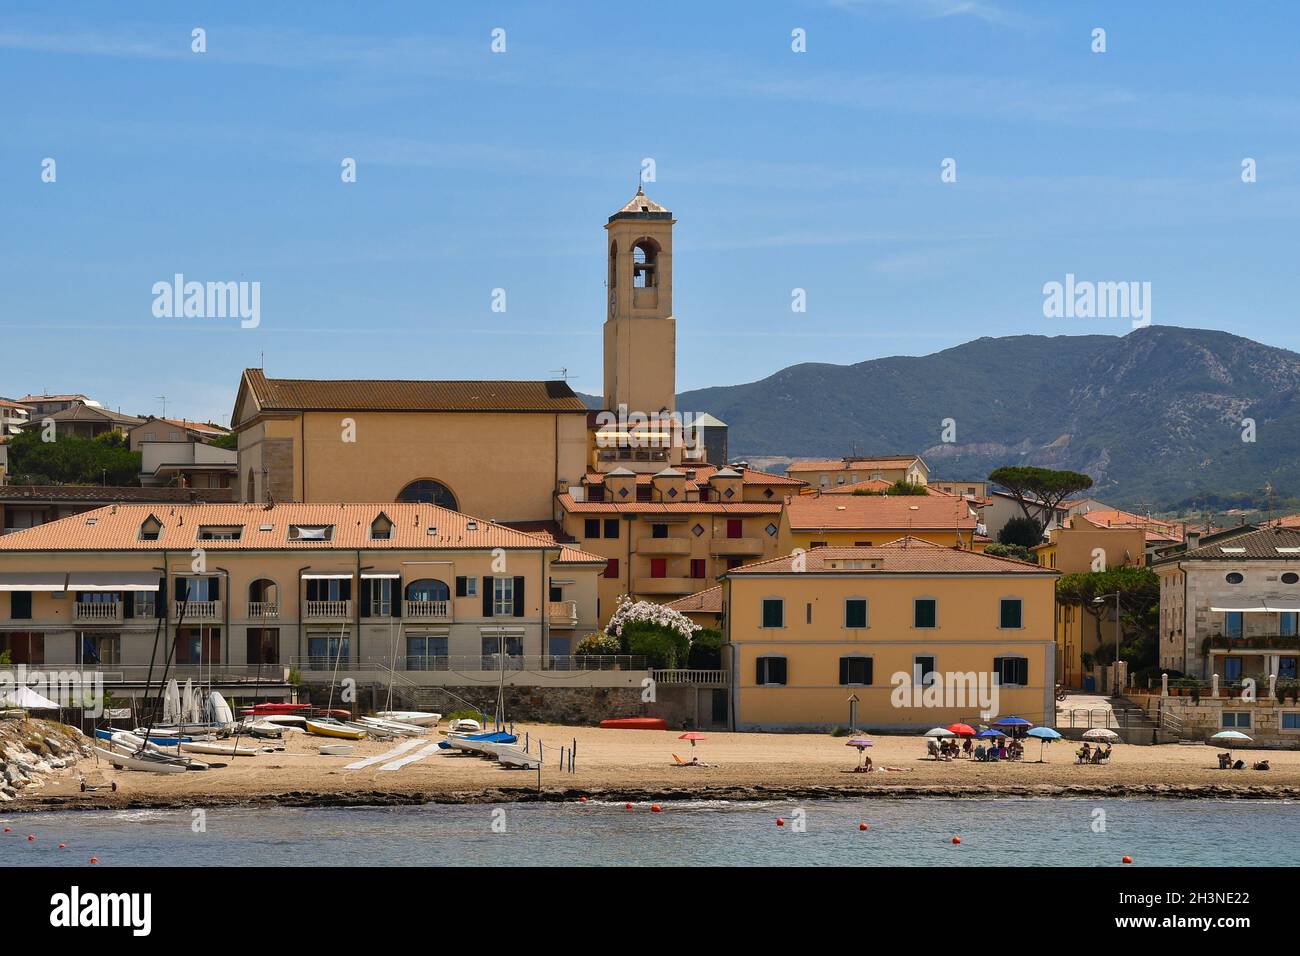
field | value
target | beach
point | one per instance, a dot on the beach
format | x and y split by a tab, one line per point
638	765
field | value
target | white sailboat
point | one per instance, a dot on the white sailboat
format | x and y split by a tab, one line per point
421	718
224	748
139	761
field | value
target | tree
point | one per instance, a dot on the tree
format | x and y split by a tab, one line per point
1042	489
1021	532
105	459
226	441
1139	604
900	487
1017	551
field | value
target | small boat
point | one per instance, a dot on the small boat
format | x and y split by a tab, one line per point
465	725
336	750
275	707
284	720
219	709
336	712
262	728
392	726
635	723
478	743
332	728
130	743
219	747
160	740
420	718
139	762
509	755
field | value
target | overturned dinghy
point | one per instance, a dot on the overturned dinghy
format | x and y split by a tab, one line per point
146	761
223	748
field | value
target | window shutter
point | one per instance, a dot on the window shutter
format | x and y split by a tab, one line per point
397	597
183	589
868	671
365	597
128	604
844	670
161	608
345	590
20	607
462	588
760	670
1022	671
997	669
487	596
776	670
214	590
519	597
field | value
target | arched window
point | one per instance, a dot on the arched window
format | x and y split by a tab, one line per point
252	487
428	491
427	589
263	598
645	258
613	265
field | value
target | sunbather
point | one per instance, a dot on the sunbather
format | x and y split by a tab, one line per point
1262	765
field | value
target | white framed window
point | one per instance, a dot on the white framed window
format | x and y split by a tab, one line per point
503	596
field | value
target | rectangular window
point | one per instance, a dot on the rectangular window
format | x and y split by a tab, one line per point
735	527
1291	720
99	650
773	612
263	645
381	597
816	544
20	605
311	532
24	647
1011	614
1012	671
922	668
855	671
212	532
1286	623
1232	624
1232	669
659	531
611	527
658	567
611	568
323	649
925	613
855	612
466	586
503	596
205	589
1239	720
591	528
512	646
426	652
697	567
323	589
771	671
1286	668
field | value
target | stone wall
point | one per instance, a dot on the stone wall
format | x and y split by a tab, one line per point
277	459
1201	720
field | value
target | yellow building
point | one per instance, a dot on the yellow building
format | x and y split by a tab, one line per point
1079	548
672	533
237	591
863	521
921	634
847	471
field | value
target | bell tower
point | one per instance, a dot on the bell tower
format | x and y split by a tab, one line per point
640	331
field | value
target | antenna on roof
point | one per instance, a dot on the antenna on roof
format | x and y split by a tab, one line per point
562	372
163	399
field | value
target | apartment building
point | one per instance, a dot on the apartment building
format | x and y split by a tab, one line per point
863	521
804	633
849	470
234	588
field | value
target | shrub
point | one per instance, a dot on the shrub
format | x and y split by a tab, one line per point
598	644
1017	551
1021	531
662	646
706	650
647	612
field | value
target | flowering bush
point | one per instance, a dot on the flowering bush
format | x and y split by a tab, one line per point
598	644
647	612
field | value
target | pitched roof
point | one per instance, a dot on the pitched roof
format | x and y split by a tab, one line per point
875	512
668	507
88	413
846	464
52	398
907	555
205	427
708	601
879	484
641	206
1275	544
384	395
117	528
1156	530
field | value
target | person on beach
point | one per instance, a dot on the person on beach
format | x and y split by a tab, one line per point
980	753
1262	765
966	747
1084	752
1225	761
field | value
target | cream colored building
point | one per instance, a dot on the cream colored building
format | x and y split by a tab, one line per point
250	590
852	521
805	632
849	470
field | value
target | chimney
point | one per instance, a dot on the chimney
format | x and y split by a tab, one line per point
1193	540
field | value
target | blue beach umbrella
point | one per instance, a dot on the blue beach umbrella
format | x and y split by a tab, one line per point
1045	736
1229	736
986	734
1016	723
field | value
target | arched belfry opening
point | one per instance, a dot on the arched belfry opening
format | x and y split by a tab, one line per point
645	260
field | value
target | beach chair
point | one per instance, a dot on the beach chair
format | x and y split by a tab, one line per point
678	761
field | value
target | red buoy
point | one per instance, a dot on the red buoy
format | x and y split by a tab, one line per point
628	806
9	829
655	808
94	859
862	826
780	822
1127	859
31	837
63	846
956	840
582	799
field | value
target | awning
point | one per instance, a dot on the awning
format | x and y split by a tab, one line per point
380	575
327	577
113	581
34	581
1256	609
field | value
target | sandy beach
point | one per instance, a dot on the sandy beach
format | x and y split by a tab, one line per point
638	765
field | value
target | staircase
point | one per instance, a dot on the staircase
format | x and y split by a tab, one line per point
1076	716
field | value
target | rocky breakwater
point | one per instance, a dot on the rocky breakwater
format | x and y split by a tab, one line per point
33	751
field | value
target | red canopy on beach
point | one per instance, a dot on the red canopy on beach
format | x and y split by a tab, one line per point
692	736
962	730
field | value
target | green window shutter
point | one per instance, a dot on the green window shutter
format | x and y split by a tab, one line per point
487	596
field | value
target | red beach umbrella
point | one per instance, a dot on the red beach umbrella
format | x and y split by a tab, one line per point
962	730
692	736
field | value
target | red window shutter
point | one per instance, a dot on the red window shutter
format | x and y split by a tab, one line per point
733	527
611	569
658	567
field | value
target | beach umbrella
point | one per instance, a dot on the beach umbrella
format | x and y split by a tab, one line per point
1101	733
692	736
939	732
986	734
1229	736
1017	724
862	743
962	730
1045	736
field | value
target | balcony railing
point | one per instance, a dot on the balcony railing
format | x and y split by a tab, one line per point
1250	642
426	610
690	676
680	546
197	610
107	611
562	613
479	662
736	546
663	585
335	610
263	609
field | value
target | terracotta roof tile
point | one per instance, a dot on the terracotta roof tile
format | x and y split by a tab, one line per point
845	464
655	507
296	394
878	512
906	555
1253	545
99	493
708	601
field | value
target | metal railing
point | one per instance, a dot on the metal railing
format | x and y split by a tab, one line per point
477	662
689	676
139	673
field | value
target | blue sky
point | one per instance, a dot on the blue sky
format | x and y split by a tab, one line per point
478	171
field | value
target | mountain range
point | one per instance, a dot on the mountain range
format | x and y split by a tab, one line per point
1155	417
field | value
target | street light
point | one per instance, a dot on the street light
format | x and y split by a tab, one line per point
1114	667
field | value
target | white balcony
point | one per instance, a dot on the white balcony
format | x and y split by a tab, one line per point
263	609
105	612
329	610
562	613
426	610
197	610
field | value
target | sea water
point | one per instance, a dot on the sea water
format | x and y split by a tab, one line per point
900	832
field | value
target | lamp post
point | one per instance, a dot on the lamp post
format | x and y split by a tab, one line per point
1114	666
